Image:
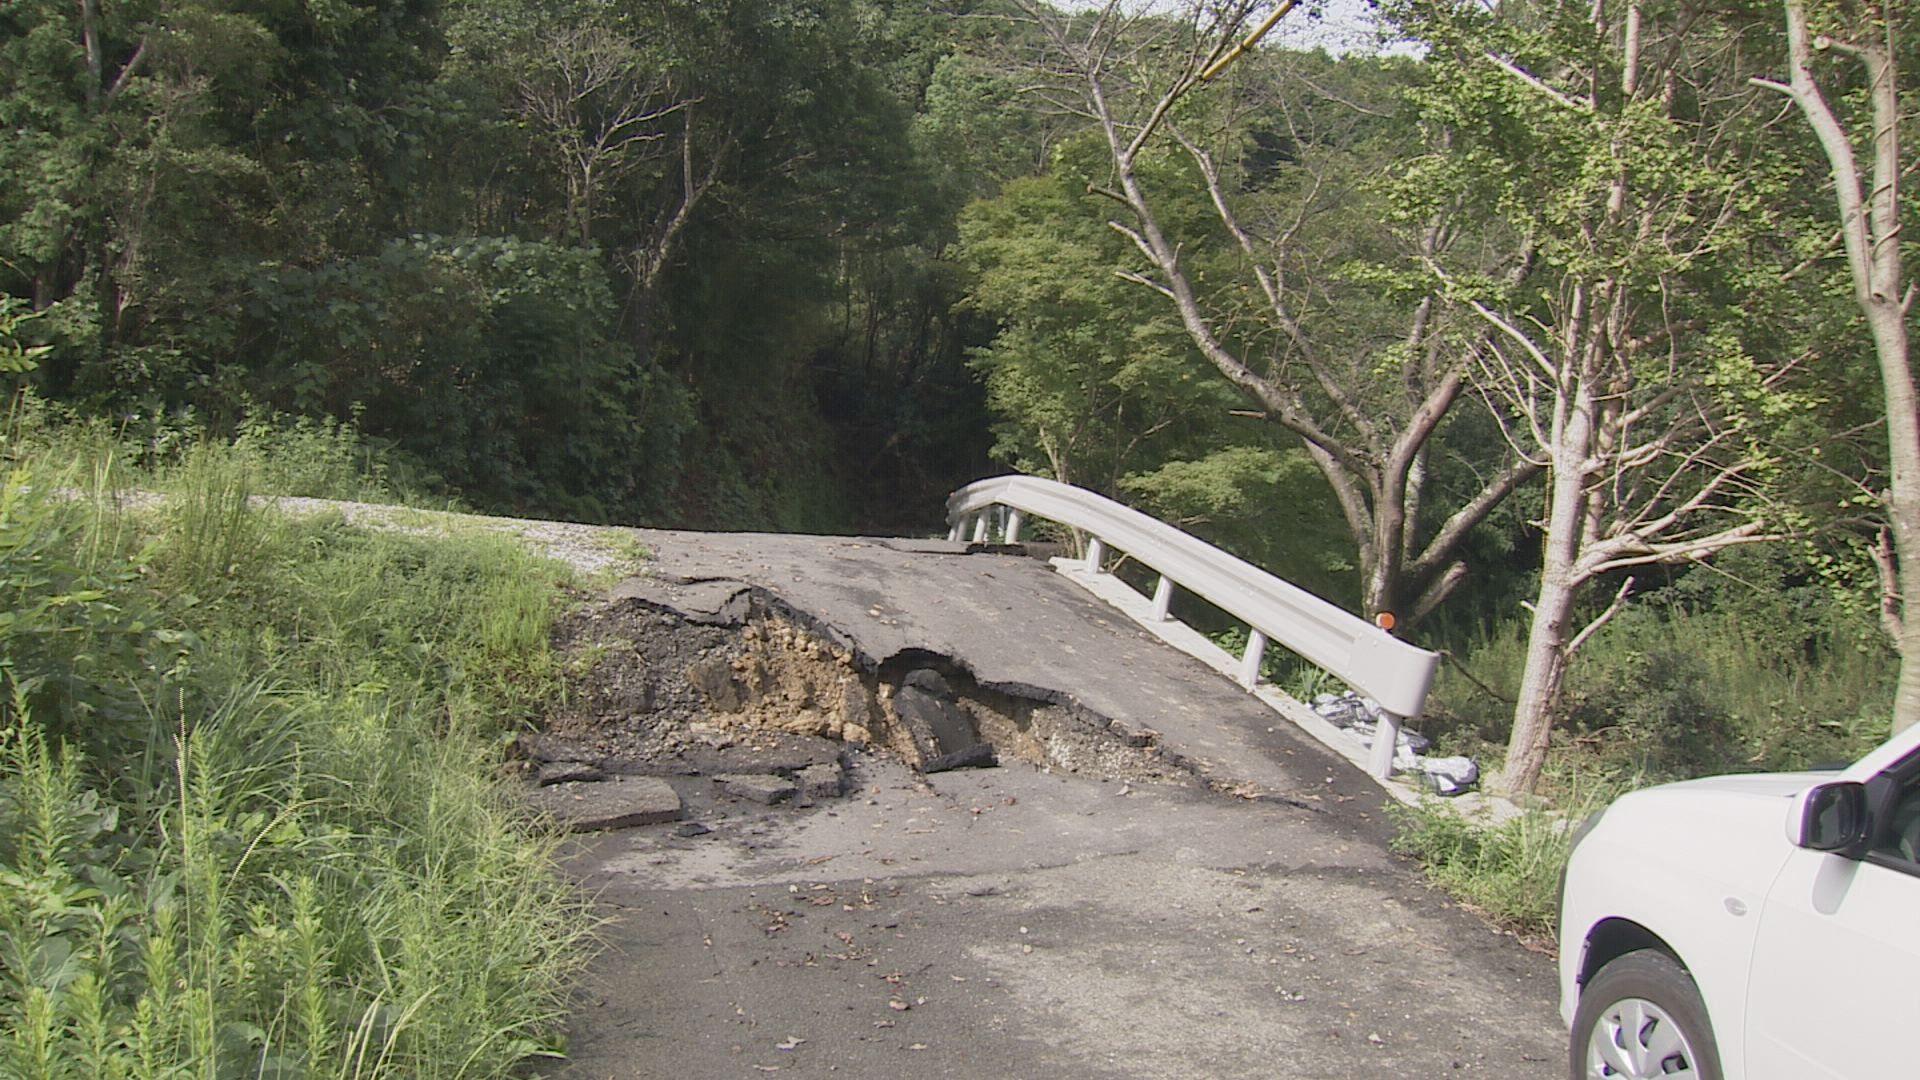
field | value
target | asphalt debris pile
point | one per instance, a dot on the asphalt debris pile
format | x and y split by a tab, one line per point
770	712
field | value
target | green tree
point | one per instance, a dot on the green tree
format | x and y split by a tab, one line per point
1254	243
1621	151
1870	207
1086	390
1089	389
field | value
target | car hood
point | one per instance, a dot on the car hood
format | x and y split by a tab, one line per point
1757	785
1722	832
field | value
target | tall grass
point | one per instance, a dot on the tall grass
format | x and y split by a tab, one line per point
1508	870
249	820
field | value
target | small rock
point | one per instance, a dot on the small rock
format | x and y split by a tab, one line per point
715	680
569	772
821	781
766	790
929	680
692	828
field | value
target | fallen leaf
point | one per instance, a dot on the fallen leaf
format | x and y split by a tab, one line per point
898	1006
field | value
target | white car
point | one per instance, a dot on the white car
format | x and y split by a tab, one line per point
1750	927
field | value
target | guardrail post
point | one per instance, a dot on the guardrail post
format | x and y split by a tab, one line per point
980	527
1250	660
1096	554
1162	598
1386	741
1014	518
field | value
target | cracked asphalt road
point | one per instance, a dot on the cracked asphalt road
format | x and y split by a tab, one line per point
1012	922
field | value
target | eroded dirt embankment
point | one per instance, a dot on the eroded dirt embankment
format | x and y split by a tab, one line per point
656	690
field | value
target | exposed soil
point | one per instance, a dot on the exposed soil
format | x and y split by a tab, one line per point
651	691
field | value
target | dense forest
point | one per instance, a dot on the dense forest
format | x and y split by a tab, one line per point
1575	336
1554	331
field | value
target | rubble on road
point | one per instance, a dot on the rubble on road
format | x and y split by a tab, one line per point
774	712
764	789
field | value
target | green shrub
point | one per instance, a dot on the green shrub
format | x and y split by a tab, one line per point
249	820
1671	689
326	459
1655	713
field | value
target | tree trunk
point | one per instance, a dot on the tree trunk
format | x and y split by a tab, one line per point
1546	671
1870	208
1888	323
1380	589
1560	581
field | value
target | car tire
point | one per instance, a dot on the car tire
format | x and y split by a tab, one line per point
1641	1016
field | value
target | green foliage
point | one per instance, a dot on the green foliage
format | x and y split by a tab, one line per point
325	459
1086	386
365	214
16	357
1749	666
1509	871
553	411
1089	387
247	816
1268	506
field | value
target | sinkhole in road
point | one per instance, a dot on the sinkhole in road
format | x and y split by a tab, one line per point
645	683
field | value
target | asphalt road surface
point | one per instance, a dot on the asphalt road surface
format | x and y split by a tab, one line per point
1011	922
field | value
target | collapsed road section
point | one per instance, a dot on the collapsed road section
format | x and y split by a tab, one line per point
808	900
748	655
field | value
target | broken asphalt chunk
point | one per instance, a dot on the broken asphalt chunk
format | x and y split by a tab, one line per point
765	790
610	804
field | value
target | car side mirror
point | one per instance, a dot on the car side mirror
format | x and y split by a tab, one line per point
1830	817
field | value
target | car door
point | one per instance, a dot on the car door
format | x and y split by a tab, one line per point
1834	990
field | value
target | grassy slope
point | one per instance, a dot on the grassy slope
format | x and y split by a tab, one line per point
248	817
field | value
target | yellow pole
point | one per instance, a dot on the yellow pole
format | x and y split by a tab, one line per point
1253	39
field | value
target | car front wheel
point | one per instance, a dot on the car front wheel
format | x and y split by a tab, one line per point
1641	1017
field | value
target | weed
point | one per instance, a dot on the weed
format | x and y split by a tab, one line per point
1509	871
248	816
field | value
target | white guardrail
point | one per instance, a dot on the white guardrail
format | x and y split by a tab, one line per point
1367	658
